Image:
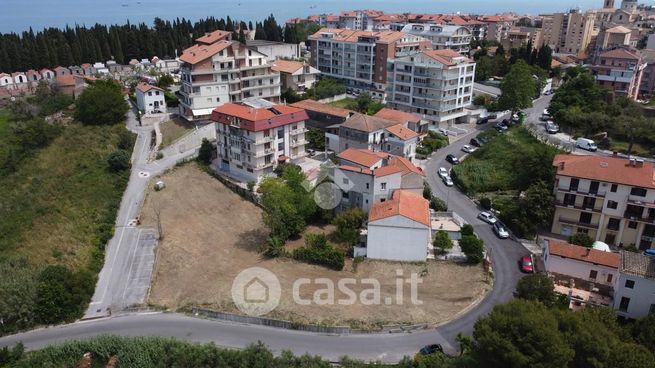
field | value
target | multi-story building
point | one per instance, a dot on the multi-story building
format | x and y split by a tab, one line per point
377	134
295	75
620	70
150	99
360	57
443	37
437	84
568	33
274	50
519	36
609	198
252	137
634	295
217	70
497	26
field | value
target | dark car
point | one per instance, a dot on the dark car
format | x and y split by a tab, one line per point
483	121
477	142
431	349
492	116
501	127
452	159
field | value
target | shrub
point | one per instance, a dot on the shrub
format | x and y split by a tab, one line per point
348	224
467	229
251	185
101	103
206	152
274	247
125	140
485	202
442	241
427	191
437	204
581	239
326	256
119	160
537	286
61	294
317	241
473	248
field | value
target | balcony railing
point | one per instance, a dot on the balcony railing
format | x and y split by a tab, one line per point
577	223
298	131
639	217
581	208
578	191
297	143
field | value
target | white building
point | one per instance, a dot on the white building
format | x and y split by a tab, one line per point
634	296
254	136
150	99
399	229
295	75
6	80
436	84
457	38
274	50
47	74
582	263
217	71
19	78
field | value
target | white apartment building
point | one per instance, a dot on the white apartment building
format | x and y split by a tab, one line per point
377	134
634	295
150	99
366	177
609	198
252	137
443	37
217	71
437	84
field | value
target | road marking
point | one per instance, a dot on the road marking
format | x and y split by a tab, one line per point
129	273
113	262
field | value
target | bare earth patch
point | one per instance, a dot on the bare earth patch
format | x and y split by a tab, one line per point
211	234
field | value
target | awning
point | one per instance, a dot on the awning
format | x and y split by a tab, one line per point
201	112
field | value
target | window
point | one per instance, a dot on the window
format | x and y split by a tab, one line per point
623	306
609	278
367	185
218	99
573	186
585	218
569	199
280	133
612	204
632	224
383	186
345	181
613	224
630	284
639	192
593	274
652	309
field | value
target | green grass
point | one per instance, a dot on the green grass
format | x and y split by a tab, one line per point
54	203
346	103
173	130
638	149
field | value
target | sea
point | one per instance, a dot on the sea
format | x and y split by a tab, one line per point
21	15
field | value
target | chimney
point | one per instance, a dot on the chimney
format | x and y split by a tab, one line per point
633	162
615	154
639	162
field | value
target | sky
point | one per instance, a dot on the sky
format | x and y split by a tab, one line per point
20	15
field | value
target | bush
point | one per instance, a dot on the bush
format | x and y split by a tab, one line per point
467	229
480	100
125	140
485	203
101	103
581	239
437	204
320	254
61	294
348	224
427	191
274	248
119	160
537	286
442	241
206	152
251	185
473	248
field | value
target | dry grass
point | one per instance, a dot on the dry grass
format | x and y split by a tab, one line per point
211	234
174	129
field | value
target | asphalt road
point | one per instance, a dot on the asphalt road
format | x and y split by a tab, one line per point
117	277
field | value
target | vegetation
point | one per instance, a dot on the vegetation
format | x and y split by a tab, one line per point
173	130
537	287
206	152
318	251
101	103
324	88
119	160
581	239
348	224
518	88
438	204
473	248
432	142
442	241
316	139
498	65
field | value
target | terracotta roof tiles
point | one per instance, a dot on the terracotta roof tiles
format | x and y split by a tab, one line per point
403	203
399	117
607	169
583	254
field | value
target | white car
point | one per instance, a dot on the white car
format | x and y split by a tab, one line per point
500	231
468	148
443	172
487	217
443	131
447	180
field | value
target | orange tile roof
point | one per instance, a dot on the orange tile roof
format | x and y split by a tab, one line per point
213	37
405	165
322	108
355	169
622	53
397	116
367	158
583	254
252	114
145	87
365	123
402	132
607	169
198	53
349	35
287	66
403	203
445	56
362	157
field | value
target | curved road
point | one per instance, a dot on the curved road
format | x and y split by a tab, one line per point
386	347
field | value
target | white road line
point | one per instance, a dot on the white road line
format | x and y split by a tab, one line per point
129	273
113	262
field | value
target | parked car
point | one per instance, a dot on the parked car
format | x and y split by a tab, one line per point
586	144
483	120
476	142
500	127
468	148
452	159
443	172
447	180
487	217
311	152
443	131
526	264
500	230
431	349
492	116
551	127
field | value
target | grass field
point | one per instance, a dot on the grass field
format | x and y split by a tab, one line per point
173	130
346	103
52	205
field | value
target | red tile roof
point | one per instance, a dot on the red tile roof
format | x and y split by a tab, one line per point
402	132
403	203
445	56
622	53
258	119
397	116
366	158
145	87
198	53
213	37
362	157
365	123
607	169
287	66
322	108
583	254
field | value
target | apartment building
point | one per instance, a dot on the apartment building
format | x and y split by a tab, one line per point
253	136
568	33
437	84
295	75
634	295
443	37
368	177
377	134
609	198
519	36
359	58
620	70
217	70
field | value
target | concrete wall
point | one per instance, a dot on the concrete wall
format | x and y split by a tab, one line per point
642	296
398	239
580	270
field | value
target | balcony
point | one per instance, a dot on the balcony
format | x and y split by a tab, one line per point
298	131
578	191
265	152
261	166
580	208
297	143
577	223
634	216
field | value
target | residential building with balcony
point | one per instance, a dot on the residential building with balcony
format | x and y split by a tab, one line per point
436	84
453	37
377	134
620	70
217	70
150	99
295	75
253	136
634	295
609	198
568	33
359	58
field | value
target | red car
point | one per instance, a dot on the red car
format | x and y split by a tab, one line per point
526	264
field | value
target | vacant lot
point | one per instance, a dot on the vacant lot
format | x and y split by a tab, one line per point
211	234
346	103
173	130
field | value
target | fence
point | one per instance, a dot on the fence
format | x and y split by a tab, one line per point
236	188
549	139
333	98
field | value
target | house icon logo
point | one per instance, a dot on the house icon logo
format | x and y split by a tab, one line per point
256	291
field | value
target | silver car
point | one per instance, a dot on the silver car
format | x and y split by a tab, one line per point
487	217
447	180
500	231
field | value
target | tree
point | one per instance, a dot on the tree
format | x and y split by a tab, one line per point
348	225
206	152
518	88
473	248
61	294
165	80
427	191
363	101
316	139
643	331
101	103
545	57
536	287
437	204
119	160
467	229
538	203
581	239
442	241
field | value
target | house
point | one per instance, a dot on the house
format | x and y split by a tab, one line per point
6	80
60	70
323	115
588	264
366	177
70	85
47	74
254	136
76	70
376	134
33	76
609	198
150	99
412	121
295	75
274	50
634	296
19	78
100	68
620	70
399	229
